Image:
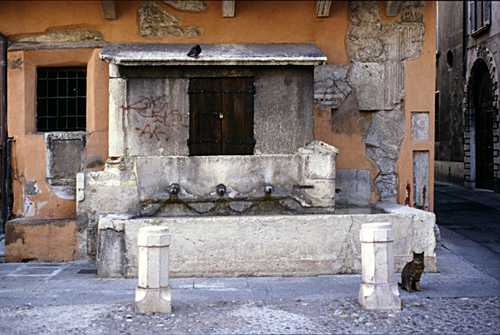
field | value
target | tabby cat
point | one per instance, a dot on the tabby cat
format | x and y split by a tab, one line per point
410	276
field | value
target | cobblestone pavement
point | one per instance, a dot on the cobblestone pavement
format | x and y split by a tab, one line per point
463	298
69	299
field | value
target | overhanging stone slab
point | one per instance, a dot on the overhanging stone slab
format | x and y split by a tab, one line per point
214	54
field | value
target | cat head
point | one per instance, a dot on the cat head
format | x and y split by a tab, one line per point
418	257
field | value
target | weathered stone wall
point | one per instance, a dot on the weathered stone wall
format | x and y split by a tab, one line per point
369	93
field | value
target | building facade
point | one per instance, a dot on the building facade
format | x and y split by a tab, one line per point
467	128
87	96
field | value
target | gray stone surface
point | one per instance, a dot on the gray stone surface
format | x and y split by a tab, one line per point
64	152
331	86
421	179
218	54
283	115
157	115
383	139
353	187
369	81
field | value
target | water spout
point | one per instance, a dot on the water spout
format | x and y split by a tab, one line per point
221	190
268	189
174	189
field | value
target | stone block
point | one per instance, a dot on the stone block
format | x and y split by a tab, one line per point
277	245
64	152
354	187
157	115
319	160
153	291
378	289
321	192
369	82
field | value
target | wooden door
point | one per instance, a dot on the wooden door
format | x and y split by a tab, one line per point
221	116
484	114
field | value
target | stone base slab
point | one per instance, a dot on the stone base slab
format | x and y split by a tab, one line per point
266	245
379	296
153	300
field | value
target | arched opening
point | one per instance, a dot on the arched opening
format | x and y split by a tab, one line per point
483	114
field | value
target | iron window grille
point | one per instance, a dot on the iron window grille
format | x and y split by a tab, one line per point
479	16
61	99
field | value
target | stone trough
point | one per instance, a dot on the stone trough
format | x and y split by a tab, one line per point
265	245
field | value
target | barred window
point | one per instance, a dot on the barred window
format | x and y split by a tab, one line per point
61	99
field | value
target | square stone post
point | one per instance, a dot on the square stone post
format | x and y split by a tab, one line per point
378	290
117	102
153	292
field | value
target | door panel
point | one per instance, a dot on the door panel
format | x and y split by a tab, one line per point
221	116
484	136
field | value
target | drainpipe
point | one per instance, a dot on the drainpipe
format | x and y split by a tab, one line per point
4	147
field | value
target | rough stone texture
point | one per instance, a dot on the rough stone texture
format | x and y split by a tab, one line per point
152	294
154	20
353	187
64	153
157	114
383	139
378	290
331	86
283	110
369	81
420	126
59	35
273	244
421	179
188	5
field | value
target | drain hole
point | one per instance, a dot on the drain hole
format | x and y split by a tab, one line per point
88	271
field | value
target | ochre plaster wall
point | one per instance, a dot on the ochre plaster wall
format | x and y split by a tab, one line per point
28	150
255	22
420	81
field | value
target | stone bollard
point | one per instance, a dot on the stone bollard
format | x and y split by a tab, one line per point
379	290
153	292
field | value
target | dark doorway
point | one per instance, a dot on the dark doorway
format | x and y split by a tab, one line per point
484	113
221	116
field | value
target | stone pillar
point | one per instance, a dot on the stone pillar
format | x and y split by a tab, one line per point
378	290
153	292
117	101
